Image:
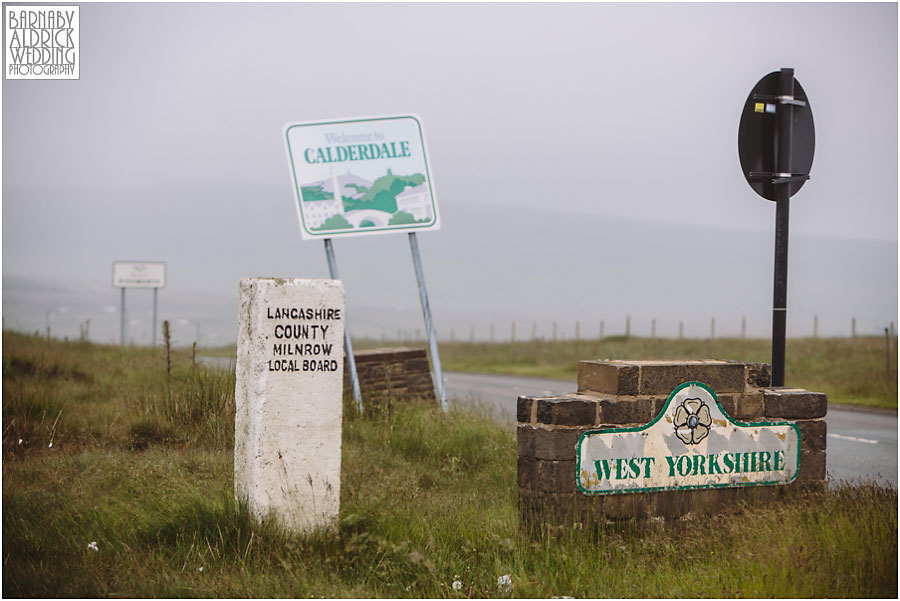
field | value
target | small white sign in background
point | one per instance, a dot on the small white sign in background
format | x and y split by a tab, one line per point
41	42
355	177
130	274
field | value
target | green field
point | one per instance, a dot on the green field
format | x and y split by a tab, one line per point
117	482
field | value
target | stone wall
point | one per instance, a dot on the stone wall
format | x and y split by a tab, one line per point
400	374
615	394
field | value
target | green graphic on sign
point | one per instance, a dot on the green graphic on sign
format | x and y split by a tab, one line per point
361	176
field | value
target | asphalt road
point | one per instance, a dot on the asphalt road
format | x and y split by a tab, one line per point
862	445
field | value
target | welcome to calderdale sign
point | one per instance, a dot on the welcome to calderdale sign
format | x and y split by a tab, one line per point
691	444
356	177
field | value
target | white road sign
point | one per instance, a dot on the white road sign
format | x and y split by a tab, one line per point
130	274
355	177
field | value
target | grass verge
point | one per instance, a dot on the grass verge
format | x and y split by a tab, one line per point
427	499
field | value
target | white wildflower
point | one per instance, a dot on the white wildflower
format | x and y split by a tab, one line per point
93	546
504	583
20	441
200	569
457	585
50	446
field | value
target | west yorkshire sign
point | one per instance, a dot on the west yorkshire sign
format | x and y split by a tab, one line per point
361	176
691	444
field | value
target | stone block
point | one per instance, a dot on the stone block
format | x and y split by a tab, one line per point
526	473
704	501
794	403
661	377
750	407
756	494
672	503
609	377
540	475
728	403
557	444
743	407
288	410
759	375
387	355
414	365
524	409
627	411
721	376
812	466
566	411
659	403
625	507
813	434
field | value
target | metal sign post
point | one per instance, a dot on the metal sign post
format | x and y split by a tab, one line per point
429	329
776	141
348	346
361	177
154	316
782	214
130	274
122	320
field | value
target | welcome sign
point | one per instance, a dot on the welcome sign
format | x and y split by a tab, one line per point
361	176
691	444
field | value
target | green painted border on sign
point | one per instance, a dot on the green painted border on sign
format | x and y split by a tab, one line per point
687	487
368	230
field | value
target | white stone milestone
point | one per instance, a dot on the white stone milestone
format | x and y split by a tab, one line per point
288	400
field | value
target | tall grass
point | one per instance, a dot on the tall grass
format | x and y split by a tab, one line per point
81	395
427	499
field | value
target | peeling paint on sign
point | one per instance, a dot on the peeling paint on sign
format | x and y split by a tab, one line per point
691	444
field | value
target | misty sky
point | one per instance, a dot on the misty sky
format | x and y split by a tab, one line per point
584	160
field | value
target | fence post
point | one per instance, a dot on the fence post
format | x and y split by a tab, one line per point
887	355
627	326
